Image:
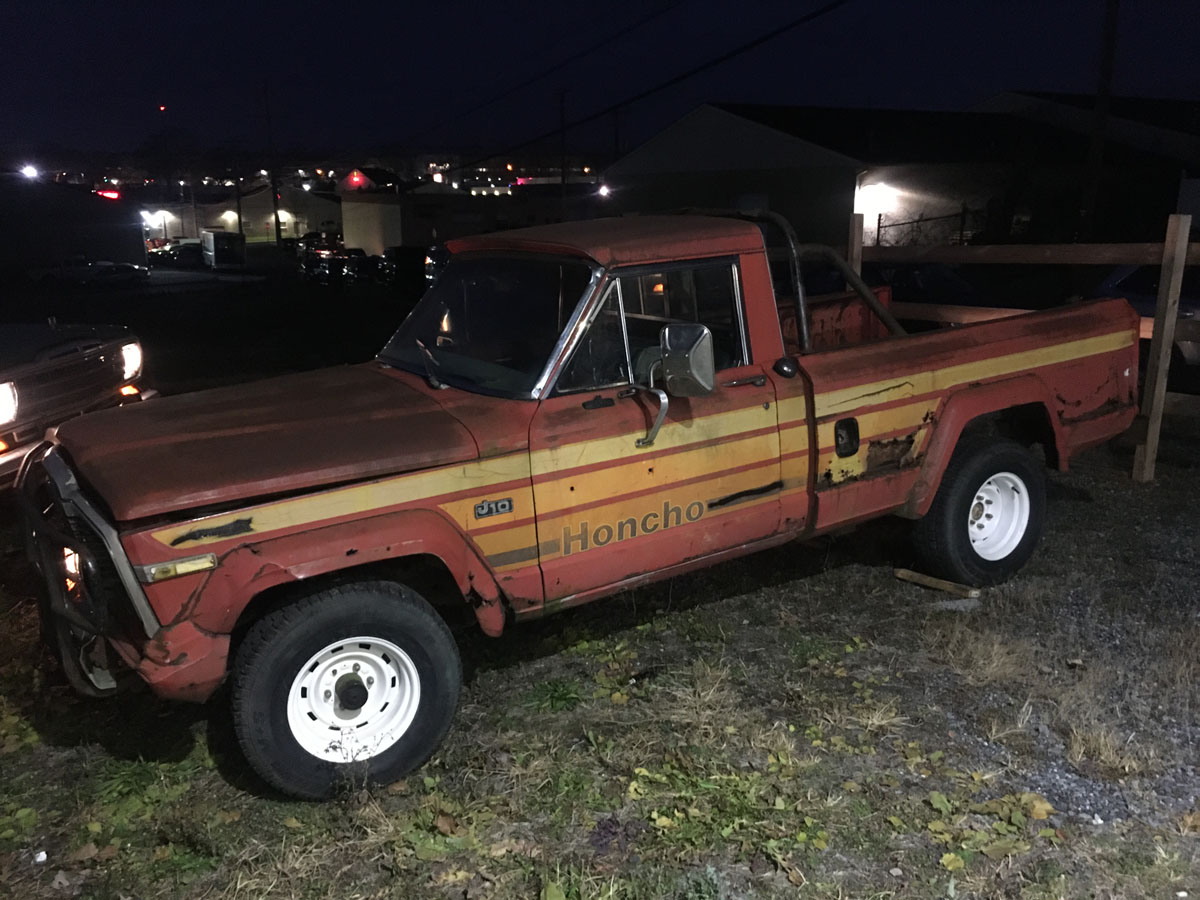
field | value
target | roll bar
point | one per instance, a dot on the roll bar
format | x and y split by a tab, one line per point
798	252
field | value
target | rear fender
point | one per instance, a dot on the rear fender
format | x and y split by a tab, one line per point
961	409
250	569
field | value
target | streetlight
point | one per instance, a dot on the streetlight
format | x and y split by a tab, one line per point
29	171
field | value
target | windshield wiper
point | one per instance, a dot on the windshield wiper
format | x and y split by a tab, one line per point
429	362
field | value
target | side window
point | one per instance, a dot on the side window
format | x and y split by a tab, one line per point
599	359
707	293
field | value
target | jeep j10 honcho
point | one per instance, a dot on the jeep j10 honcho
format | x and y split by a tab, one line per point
571	410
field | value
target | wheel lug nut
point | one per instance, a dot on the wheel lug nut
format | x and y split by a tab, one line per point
370	681
328	694
356	667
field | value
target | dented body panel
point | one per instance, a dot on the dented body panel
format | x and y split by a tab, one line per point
549	501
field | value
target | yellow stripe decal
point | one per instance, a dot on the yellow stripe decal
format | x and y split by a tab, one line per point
481	475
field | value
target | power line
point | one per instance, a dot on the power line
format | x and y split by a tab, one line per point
545	73
817	13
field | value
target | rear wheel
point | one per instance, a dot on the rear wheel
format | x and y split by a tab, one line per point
354	684
987	516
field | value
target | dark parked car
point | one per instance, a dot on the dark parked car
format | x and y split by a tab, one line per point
50	373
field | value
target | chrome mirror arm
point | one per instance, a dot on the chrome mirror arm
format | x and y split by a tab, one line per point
663	403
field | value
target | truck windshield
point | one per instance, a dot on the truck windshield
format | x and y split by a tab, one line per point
489	324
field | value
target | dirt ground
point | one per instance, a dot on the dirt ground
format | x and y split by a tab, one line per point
797	723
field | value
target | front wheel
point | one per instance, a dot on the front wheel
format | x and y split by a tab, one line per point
354	684
987	516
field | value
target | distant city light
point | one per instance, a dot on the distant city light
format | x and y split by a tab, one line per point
438	177
306	186
509	167
262	171
604	190
454	184
29	171
587	170
356	177
110	195
162	107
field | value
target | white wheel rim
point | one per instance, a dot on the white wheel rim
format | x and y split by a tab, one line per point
326	728
998	516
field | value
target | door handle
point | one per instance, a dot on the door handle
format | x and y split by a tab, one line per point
756	380
599	402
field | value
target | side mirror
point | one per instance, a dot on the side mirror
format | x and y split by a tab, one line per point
687	359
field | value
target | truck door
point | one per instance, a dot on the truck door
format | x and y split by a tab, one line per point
608	509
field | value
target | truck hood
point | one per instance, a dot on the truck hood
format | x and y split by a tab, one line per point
248	441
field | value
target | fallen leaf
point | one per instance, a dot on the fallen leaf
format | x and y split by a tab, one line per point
108	852
997	850
446	823
94	827
939	802
61	882
226	817
1040	808
952	862
619	698
87	851
452	876
896	822
292	822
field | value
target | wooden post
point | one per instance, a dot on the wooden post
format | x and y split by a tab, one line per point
854	243
1174	258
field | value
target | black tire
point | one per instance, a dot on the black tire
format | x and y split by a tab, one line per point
942	538
284	642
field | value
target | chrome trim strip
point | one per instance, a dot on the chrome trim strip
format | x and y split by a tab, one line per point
561	351
68	488
741	314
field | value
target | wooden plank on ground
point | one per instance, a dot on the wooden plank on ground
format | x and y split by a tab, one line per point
1026	254
1174	258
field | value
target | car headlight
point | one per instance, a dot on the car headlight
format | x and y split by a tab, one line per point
131	356
8	402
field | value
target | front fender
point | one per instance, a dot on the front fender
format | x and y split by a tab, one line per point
963	407
251	568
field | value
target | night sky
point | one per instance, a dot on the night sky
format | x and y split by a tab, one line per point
362	76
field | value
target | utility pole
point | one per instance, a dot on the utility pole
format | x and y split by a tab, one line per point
271	167
562	146
1093	169
237	193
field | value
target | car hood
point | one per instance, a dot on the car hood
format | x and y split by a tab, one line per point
253	440
28	344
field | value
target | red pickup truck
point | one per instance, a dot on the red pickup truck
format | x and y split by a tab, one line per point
571	410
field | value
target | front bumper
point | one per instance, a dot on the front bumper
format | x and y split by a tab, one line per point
92	592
